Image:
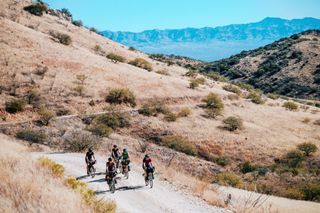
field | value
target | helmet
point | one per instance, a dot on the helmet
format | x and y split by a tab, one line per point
115	146
146	156
90	149
109	159
125	150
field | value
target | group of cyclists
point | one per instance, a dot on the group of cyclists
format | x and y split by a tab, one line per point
118	161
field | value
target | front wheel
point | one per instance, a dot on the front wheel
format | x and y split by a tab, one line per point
112	186
150	180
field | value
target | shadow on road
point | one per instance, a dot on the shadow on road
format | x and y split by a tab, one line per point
85	176
98	180
122	188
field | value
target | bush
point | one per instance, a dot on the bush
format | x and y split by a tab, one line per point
132	49
196	82
100	130
222	160
15	106
62	38
255	98
290	106
94	30
227	179
40	70
45	115
193	83
121	96
317	122
179	144
294	158
312	192
33	136
36	9
307	148
294	193
244	86
113	119
33	97
170	117
54	167
213	105
247	167
142	63
233	123
184	112
216	76
231	88
78	141
115	57
77	23
152	108
273	96
163	72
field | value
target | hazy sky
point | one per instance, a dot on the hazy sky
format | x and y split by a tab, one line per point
138	15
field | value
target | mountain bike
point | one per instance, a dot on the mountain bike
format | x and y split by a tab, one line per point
125	170
91	171
149	176
110	178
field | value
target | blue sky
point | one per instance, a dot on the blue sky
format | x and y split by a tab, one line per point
138	15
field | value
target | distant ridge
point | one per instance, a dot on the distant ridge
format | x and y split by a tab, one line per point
210	43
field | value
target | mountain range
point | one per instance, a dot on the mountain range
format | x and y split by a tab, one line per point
210	43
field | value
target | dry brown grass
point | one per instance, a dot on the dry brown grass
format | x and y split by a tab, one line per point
26	187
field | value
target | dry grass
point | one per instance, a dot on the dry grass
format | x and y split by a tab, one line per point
26	187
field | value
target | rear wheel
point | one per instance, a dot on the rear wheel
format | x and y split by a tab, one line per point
150	177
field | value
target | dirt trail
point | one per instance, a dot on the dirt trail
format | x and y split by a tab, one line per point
132	195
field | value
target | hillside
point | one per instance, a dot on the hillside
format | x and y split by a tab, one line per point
210	43
67	87
289	66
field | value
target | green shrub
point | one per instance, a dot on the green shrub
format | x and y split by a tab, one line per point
227	179
153	107
163	72
33	136
294	158
121	96
33	97
191	74
170	117
132	49
116	57
142	63
184	112
45	115
179	144
222	160
100	130
15	106
247	167
231	88
290	106
307	148
233	123
94	30
61	37
213	105
41	70
36	9
113	119
255	98
312	192
77	23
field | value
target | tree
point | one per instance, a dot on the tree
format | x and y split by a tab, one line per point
307	148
